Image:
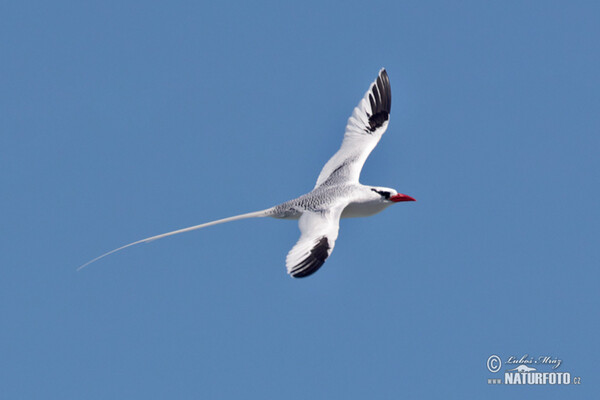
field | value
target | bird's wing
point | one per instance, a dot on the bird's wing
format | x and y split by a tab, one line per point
365	127
319	230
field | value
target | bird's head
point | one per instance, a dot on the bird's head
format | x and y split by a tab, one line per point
389	195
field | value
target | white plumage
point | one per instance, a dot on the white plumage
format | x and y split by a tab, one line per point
337	193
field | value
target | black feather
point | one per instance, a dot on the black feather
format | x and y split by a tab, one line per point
381	101
314	261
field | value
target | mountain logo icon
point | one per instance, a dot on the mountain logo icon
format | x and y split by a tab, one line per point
522	368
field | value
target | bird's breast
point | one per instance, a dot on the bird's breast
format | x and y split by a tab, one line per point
363	209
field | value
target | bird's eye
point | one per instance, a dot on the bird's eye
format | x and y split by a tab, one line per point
385	195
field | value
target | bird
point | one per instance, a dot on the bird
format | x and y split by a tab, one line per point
337	193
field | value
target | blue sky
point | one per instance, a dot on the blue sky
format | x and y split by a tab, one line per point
122	120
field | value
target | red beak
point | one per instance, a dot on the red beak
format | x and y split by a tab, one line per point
401	197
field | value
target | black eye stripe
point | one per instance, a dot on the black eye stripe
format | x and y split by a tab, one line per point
386	195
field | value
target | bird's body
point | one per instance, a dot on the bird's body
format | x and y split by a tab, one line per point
337	194
356	200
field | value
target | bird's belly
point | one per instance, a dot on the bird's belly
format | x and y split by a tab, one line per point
354	210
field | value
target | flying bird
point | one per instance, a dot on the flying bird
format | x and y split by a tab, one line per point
337	193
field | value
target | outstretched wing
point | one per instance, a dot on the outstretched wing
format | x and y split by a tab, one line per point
365	127
319	232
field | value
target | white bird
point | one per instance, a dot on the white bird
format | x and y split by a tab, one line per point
337	194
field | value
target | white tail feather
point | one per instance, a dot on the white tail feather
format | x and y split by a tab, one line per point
256	214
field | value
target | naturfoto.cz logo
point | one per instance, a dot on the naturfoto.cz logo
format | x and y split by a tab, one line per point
524	371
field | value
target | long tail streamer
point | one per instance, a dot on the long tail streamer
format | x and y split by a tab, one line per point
256	214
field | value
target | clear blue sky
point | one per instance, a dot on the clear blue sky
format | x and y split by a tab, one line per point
122	120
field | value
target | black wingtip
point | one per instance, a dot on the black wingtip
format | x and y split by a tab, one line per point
314	261
381	101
